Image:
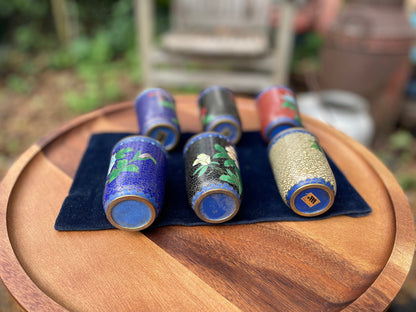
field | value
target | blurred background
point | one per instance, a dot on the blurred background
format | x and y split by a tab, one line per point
351	64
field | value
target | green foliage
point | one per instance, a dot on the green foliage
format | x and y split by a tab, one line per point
13	146
102	54
100	87
399	156
189	89
306	52
79	49
60	60
121	27
82	102
402	146
132	65
100	58
111	89
401	141
100	48
18	84
106	29
26	8
407	181
26	38
24	24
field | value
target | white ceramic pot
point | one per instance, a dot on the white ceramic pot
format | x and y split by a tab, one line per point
345	111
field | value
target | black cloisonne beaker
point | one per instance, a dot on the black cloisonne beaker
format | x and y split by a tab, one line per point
219	112
213	179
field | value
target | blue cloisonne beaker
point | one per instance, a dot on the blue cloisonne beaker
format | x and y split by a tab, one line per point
135	185
156	115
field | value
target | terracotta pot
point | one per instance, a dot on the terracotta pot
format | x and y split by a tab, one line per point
366	52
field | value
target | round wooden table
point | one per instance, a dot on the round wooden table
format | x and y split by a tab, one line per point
333	264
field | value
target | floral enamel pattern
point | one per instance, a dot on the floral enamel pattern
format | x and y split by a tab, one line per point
290	102
175	120
155	111
126	165
205	161
315	145
230	170
167	104
163	100
205	118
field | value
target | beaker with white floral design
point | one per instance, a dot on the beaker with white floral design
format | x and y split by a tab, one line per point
135	185
213	178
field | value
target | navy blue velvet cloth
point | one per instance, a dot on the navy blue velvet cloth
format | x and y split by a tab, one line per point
83	210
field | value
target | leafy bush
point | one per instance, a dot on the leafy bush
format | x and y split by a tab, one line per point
18	84
102	52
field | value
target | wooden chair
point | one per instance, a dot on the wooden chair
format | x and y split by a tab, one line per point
224	42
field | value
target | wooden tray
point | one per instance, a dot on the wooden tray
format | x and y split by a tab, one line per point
342	262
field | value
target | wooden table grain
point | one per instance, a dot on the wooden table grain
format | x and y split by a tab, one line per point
347	263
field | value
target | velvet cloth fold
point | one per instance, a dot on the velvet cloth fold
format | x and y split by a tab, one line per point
82	209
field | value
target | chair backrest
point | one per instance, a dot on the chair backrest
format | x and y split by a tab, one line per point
245	16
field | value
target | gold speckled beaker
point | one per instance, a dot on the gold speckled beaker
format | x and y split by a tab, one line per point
302	173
